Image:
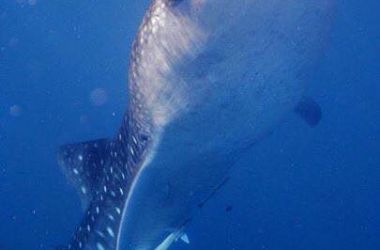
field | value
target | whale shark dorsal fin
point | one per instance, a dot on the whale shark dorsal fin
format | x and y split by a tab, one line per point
81	163
309	110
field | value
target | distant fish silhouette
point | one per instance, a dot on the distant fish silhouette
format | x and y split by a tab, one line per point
309	110
229	208
207	78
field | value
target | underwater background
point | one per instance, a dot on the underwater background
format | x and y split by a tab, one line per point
63	71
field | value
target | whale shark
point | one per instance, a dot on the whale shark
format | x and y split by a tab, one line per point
207	80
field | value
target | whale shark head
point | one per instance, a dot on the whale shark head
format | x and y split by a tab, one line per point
207	79
211	14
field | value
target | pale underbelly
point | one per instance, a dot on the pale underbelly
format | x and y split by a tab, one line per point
246	95
192	158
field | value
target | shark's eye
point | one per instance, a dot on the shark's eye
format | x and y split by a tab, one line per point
174	3
144	137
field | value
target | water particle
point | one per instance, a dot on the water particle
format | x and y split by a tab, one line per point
32	2
15	110
13	42
98	97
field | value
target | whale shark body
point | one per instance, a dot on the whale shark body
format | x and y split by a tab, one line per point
207	79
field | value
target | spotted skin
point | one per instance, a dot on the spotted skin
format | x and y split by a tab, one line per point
102	171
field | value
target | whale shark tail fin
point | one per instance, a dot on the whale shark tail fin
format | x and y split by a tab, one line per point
82	163
309	110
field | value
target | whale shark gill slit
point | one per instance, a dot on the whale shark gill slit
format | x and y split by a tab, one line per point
214	192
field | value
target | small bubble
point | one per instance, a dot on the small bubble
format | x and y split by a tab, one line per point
228	208
98	97
15	110
13	42
3	15
32	2
83	119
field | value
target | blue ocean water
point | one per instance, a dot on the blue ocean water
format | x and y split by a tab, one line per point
63	71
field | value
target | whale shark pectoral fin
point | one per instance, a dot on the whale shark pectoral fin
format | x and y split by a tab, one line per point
185	238
99	228
82	163
309	110
173	237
